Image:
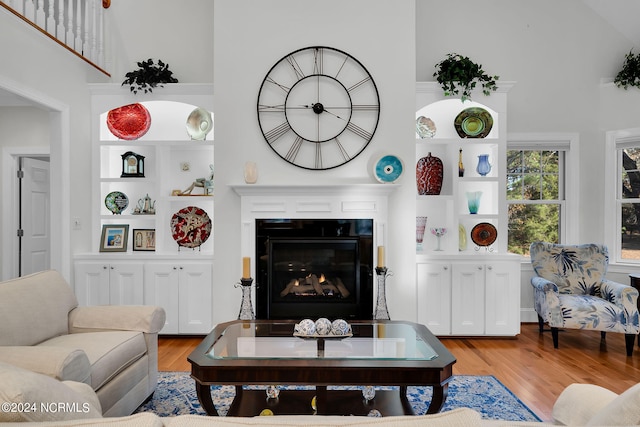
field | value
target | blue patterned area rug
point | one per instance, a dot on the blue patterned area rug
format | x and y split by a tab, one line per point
176	395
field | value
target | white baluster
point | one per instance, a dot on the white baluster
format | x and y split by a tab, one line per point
40	17
61	32
51	19
85	33
101	36
69	23
29	10
94	28
77	44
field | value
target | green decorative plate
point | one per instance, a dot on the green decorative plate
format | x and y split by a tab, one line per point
473	122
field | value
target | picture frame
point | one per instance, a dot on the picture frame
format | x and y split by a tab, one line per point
114	238
144	239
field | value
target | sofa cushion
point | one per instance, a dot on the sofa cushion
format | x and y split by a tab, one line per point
109	352
29	396
578	403
57	362
35	308
458	417
624	410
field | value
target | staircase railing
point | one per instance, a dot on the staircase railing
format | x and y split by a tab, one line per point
78	25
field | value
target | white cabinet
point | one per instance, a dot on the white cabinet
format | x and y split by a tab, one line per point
479	295
184	290
103	282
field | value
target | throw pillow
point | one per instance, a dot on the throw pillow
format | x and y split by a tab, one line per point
624	410
578	403
29	396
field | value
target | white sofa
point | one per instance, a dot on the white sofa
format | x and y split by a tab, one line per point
113	349
20	390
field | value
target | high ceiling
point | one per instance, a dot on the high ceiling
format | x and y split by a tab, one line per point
621	14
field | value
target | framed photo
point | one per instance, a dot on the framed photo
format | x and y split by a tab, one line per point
114	238
144	239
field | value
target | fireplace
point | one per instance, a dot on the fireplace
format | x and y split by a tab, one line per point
311	268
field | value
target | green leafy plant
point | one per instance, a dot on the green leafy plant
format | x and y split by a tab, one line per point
457	73
149	76
630	73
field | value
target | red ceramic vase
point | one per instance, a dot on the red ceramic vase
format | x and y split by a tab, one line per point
429	173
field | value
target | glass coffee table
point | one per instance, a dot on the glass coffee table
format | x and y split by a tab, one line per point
265	352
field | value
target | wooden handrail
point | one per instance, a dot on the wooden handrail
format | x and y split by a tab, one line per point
85	45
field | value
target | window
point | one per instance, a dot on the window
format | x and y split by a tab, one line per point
536	180
623	233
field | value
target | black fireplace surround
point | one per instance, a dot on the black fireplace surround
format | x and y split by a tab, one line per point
311	268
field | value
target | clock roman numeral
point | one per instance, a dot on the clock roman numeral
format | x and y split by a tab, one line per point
294	149
318	57
343	152
359	131
360	83
365	107
296	68
286	89
318	162
277	132
271	108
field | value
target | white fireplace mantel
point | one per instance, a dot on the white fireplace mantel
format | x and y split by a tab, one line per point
312	202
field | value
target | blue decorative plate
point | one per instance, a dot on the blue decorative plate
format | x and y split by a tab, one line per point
388	169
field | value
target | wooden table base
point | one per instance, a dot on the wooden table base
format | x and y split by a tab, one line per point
249	403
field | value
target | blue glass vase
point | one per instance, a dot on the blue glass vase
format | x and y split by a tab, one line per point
484	167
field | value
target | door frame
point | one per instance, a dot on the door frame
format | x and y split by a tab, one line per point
58	152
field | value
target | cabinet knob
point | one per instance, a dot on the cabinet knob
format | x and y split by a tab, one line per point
104	267
479	267
445	268
175	268
112	267
489	267
181	268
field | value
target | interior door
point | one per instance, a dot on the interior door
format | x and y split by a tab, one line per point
34	216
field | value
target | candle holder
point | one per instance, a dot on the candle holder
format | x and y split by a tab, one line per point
246	307
381	312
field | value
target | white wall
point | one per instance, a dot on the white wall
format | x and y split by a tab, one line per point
378	33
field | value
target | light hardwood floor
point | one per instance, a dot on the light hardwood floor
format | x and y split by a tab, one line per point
528	365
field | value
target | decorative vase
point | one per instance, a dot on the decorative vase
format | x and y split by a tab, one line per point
484	167
429	172
460	165
473	201
421	223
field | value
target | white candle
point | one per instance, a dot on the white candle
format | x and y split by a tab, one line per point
380	256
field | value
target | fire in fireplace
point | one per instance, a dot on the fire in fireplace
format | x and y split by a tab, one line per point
314	268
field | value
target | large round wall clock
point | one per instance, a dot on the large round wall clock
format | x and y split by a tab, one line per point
318	107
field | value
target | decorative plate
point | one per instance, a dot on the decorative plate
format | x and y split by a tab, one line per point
199	123
190	227
388	169
116	202
473	122
129	121
425	127
484	234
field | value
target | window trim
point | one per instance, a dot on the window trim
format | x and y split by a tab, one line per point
567	142
616	140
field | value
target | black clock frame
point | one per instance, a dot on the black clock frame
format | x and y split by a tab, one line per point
273	134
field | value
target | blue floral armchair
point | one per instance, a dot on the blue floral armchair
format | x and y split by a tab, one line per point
570	291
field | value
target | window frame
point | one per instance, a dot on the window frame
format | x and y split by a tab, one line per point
615	142
569	171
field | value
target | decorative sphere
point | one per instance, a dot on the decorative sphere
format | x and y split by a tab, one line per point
339	327
323	326
306	327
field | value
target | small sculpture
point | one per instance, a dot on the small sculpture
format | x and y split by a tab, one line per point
205	183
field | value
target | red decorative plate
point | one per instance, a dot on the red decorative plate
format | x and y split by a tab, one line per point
190	227
129	121
484	234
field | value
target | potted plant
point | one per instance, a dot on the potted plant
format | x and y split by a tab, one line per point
149	76
630	73
457	73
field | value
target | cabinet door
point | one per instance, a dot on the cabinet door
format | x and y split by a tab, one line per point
434	297
125	284
161	288
503	298
195	298
91	282
467	299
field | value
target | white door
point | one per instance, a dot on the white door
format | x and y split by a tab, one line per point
34	217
